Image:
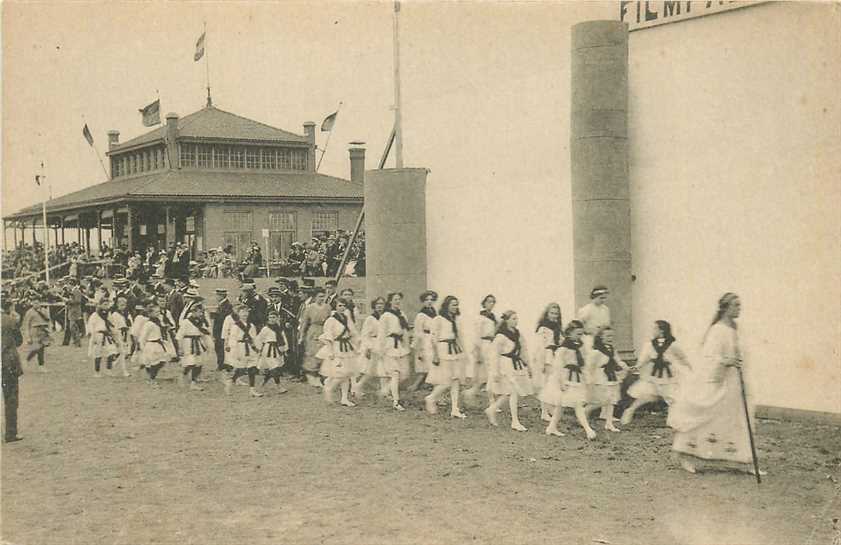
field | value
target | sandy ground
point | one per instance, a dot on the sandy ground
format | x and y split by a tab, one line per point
113	461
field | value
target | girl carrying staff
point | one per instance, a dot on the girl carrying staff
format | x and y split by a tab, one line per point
103	342
121	319
337	353
549	332
240	350
566	385
369	348
194	338
156	345
422	339
273	346
393	337
508	370
484	352
312	325
605	370
449	361
657	378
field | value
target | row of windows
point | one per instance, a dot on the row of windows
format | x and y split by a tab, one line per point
282	227
139	161
234	157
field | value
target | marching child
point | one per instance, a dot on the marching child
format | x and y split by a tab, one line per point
508	370
121	319
605	371
102	343
369	347
193	337
140	319
657	378
449	361
484	354
549	334
595	315
422	339
273	346
566	385
337	353
35	329
240	350
394	346
155	344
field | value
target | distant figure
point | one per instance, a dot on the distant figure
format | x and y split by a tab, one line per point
10	340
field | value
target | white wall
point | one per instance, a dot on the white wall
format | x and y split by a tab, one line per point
735	131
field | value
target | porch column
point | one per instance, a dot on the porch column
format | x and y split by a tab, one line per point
130	229
99	229
34	232
61	219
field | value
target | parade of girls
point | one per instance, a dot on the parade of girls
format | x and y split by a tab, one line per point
496	364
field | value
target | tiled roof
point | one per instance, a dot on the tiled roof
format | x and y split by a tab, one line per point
211	122
208	186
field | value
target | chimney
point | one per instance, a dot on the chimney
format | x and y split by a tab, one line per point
172	139
113	139
357	162
309	132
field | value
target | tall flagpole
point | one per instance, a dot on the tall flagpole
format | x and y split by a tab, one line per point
329	134
46	231
207	65
98	156
398	137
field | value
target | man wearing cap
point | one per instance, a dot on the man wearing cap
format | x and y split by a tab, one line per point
9	339
191	299
121	289
174	298
223	309
330	291
258	307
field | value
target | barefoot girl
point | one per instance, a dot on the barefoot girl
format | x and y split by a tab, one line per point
393	336
484	352
605	370
449	361
337	353
509	372
657	377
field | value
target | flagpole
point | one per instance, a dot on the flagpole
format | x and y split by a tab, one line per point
398	137
207	65
327	143
98	156
46	233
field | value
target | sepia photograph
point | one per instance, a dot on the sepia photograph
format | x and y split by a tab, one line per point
433	272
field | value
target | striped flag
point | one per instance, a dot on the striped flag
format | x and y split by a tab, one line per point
329	121
86	132
199	48
151	113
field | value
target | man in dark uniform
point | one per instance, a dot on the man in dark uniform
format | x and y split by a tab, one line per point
174	298
121	289
287	304
223	309
10	339
74	318
258	307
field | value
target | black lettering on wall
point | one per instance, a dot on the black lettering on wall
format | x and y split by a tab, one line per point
649	15
671	8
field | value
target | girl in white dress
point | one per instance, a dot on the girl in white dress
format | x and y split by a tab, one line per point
393	336
549	332
566	385
605	370
508	370
155	344
122	322
595	315
483	350
422	338
103	340
273	346
240	351
337	353
658	379
140	320
369	348
449	362
194	339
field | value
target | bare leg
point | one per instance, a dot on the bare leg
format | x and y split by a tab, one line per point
345	389
628	415
433	397
513	404
609	424
581	414
394	386
552	428
454	394
493	408
545	415
329	386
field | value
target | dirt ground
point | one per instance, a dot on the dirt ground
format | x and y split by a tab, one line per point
113	461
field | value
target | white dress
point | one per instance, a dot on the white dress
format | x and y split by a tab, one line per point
594	317
484	352
566	384
136	329
657	379
510	366
193	341
103	340
544	356
394	346
605	380
243	353
368	340
422	342
272	349
123	335
451	355
155	349
337	353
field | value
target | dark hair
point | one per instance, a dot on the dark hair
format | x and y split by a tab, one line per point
544	317
598	341
338	300
666	328
574	324
391	297
503	325
428	293
445	306
488	296
598	290
723	303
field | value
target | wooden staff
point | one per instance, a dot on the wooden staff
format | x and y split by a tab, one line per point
750	430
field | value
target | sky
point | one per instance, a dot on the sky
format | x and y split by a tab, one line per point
70	63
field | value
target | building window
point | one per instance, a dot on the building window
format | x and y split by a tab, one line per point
252	157
203	155
324	223
299	160
269	158
283	160
282	233
147	162
132	164
237	158
159	158
220	157
188	155
238	233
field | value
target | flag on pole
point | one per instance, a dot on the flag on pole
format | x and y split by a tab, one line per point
86	132
199	48
38	180
151	113
329	121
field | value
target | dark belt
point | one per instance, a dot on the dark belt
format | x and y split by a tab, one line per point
488	339
197	347
660	367
518	362
553	348
452	346
398	338
124	334
610	369
272	351
346	346
107	338
247	346
574	371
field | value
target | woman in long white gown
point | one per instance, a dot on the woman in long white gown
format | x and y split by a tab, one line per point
708	415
